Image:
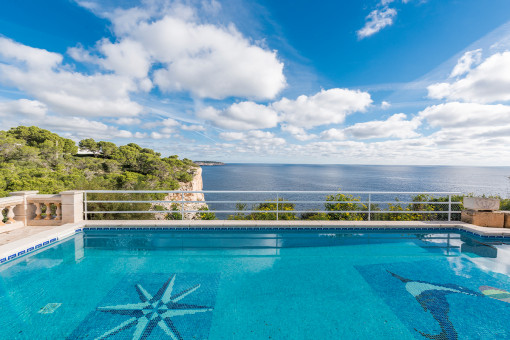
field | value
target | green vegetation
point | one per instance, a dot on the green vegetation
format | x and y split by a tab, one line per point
36	159
270	206
350	208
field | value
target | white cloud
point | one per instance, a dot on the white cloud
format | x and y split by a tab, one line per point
90	5
465	63
23	107
385	105
253	137
396	126
42	75
241	116
157	135
464	115
326	107
127	57
255	142
194	127
34	58
127	121
170	122
79	128
140	135
298	132
209	61
334	134
376	21
212	6
489	82
198	56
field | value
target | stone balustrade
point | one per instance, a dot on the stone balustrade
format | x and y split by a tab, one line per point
8	204
50	204
28	208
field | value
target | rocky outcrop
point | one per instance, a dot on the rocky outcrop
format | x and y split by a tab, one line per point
196	184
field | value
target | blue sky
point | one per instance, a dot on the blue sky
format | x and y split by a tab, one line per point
364	82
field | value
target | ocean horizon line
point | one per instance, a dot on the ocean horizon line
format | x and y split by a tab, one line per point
360	164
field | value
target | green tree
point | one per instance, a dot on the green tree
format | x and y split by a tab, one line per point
90	144
106	149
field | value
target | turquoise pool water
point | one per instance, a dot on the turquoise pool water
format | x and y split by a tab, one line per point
259	285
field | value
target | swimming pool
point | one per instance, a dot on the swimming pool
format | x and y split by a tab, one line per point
269	284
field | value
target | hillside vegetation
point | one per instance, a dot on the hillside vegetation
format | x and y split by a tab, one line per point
36	159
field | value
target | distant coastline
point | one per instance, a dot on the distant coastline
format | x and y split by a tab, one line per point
208	163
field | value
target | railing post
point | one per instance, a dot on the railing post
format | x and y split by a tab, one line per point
449	207
85	205
182	205
10	214
38	211
369	205
277	201
24	212
48	211
58	211
72	206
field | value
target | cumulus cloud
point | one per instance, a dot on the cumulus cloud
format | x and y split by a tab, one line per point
241	116
489	82
334	134
326	107
169	126
376	21
255	141
23	108
462	115
396	126
157	135
208	61
465	63
298	132
127	121
42	75
79	128
34	58
381	17
254	136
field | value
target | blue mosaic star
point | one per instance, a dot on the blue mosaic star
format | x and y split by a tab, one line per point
154	311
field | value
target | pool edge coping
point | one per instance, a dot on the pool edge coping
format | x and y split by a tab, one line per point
24	246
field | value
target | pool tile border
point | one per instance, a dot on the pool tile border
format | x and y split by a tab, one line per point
35	242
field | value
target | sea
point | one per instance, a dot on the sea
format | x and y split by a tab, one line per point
283	177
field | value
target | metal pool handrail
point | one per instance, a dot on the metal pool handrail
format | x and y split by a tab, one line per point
182	202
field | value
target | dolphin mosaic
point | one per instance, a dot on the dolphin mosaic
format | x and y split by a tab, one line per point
432	298
495	293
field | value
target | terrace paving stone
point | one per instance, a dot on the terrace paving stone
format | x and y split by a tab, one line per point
21	233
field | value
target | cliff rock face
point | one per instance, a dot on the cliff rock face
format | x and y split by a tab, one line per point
196	184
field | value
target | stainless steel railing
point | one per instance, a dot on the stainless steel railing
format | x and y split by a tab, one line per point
365	201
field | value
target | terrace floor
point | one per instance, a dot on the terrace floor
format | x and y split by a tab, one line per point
21	233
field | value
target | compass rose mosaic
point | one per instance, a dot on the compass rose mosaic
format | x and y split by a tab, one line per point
180	307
